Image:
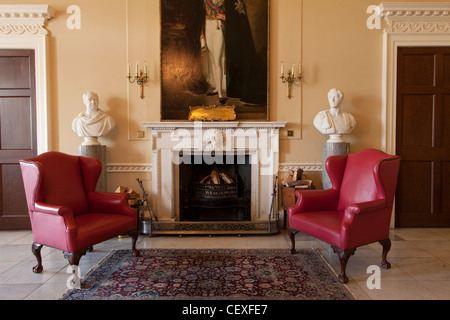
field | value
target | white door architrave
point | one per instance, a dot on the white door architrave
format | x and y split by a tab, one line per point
22	27
409	24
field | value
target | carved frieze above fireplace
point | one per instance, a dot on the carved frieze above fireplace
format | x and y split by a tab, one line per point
176	143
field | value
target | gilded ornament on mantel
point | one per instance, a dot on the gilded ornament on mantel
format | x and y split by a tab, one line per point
212	113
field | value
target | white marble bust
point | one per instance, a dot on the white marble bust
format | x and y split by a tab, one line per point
93	122
334	121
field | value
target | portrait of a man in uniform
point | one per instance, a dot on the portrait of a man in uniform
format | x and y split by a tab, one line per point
214	52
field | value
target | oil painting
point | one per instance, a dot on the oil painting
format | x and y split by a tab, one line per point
214	53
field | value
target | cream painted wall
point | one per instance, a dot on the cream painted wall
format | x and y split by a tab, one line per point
339	51
329	38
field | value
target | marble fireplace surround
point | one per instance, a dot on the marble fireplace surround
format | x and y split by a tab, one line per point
170	140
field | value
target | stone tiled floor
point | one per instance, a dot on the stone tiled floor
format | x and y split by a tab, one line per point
420	262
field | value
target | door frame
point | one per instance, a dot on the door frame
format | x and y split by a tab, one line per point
22	27
428	27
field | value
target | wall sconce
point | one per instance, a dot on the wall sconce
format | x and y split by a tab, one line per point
290	79
140	78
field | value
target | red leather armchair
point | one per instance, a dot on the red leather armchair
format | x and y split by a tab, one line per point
356	210
66	212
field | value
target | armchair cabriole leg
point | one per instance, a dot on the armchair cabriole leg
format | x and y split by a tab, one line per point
344	255
36	249
134	236
74	261
292	233
386	243
74	257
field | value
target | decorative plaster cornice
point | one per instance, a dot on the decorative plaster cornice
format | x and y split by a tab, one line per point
416	17
24	19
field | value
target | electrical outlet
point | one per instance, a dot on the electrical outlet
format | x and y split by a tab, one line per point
290	133
141	134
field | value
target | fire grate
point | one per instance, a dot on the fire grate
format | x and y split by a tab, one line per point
216	191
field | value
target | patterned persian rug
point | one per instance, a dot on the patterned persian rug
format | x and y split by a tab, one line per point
220	274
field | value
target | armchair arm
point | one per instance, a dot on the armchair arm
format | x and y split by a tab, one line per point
360	208
57	211
108	202
52	209
315	200
364	223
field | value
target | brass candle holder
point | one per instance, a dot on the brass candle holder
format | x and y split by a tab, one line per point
140	78
290	79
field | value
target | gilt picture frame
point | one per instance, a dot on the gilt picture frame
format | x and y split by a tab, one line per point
212	46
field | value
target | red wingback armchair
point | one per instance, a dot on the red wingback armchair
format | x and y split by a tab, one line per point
66	212
355	211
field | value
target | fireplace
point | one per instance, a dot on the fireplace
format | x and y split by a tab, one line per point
215	192
186	154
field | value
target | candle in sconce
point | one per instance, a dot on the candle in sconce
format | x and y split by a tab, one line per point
300	71
282	69
129	70
293	70
137	68
145	69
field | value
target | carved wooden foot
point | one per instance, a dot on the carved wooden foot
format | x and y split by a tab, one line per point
134	236
74	257
74	261
36	249
344	255
292	233
386	247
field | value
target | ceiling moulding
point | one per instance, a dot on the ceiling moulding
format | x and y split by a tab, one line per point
416	17
23	19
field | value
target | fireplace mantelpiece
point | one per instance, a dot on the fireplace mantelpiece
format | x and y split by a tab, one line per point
172	140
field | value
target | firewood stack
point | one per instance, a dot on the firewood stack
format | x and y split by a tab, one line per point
216	177
297	179
134	197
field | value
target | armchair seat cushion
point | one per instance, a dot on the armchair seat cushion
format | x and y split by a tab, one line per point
99	227
328	230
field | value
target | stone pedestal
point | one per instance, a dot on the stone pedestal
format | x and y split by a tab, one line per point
99	152
331	149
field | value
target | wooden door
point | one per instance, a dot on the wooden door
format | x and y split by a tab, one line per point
423	137
17	133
